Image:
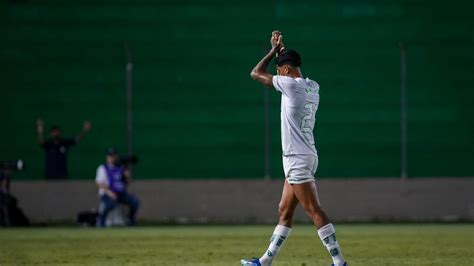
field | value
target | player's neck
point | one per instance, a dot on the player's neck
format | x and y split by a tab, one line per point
295	74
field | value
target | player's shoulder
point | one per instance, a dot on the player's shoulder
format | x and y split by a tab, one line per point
309	82
284	82
314	83
285	79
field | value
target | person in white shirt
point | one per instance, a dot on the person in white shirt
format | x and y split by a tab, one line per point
112	179
299	102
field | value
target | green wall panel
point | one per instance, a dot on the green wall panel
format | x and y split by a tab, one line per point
197	114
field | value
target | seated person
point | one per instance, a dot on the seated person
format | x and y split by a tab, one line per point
112	180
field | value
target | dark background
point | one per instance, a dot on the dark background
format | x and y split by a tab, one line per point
197	113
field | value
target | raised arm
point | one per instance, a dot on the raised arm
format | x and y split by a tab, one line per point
85	129
260	72
40	131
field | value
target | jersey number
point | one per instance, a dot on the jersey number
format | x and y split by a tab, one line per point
306	125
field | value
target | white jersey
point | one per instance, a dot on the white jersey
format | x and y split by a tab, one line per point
299	103
101	178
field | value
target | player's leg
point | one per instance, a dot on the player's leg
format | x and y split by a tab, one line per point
307	195
106	205
286	210
287	205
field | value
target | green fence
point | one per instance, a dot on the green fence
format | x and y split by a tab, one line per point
197	112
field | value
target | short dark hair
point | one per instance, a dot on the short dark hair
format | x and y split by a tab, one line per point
290	57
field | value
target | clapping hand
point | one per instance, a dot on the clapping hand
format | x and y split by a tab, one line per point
277	41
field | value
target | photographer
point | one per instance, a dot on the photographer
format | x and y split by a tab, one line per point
56	149
113	178
10	213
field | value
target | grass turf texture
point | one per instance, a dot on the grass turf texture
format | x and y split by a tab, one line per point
449	244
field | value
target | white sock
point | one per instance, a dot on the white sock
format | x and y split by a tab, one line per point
327	234
279	235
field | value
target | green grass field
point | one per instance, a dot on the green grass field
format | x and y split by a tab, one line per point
448	244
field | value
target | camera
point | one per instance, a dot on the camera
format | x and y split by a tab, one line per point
16	165
127	160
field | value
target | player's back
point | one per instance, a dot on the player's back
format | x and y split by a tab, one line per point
299	103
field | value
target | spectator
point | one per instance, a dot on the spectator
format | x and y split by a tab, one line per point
112	178
56	149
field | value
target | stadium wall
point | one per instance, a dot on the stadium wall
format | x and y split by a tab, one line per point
252	201
197	112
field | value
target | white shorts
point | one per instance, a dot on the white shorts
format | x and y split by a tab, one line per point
300	168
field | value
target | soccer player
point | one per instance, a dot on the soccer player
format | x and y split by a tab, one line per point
299	102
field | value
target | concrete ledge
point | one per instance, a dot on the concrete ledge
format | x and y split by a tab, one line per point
256	201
